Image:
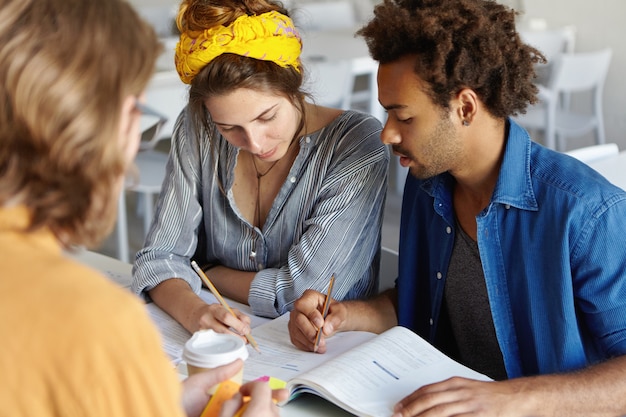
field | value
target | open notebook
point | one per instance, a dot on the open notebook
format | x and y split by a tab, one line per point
363	373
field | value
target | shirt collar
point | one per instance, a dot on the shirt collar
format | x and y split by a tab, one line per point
514	186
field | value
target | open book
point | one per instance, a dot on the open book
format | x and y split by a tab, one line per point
363	373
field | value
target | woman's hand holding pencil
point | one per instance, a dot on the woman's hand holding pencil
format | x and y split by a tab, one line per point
221	300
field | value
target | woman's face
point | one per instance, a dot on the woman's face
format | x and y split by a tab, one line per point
261	123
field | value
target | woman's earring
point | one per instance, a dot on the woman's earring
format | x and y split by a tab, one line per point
466	123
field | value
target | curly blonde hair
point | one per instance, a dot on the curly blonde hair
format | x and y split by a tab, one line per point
66	66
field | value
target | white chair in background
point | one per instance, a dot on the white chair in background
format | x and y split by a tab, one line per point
572	73
551	43
329	82
121	229
594	153
324	15
150	172
167	96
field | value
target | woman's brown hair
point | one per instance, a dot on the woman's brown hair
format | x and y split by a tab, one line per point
228	71
66	67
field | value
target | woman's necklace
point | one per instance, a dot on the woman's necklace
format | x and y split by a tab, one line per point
259	175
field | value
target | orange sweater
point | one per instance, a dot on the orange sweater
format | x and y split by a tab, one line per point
71	342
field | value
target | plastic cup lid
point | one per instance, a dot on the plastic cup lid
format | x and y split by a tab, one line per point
208	349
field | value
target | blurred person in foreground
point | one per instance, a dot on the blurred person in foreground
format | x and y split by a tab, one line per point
72	75
512	256
269	192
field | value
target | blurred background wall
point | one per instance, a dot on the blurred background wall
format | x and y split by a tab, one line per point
598	25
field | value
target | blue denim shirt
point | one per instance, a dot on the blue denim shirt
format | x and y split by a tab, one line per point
553	247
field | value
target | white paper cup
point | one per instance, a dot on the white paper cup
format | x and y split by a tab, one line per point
207	349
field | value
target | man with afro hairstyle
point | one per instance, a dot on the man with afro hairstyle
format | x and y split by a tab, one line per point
512	256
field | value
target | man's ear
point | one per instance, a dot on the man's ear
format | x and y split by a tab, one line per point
465	106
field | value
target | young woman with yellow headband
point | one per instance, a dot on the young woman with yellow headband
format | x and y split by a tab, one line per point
269	192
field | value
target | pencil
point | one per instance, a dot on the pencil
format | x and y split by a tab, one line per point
324	311
217	295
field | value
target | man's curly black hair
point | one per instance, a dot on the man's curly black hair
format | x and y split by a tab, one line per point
458	44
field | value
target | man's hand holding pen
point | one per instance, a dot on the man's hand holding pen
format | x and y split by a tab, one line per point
307	318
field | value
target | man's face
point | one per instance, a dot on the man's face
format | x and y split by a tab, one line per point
420	132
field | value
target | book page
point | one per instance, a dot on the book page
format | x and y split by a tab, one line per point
281	359
371	378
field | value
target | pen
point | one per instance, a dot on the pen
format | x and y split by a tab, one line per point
324	311
217	295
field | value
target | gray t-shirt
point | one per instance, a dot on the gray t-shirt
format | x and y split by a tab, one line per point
468	310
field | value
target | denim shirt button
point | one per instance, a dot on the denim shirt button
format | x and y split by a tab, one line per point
260	266
431	321
292	179
507	206
448	230
308	139
439	275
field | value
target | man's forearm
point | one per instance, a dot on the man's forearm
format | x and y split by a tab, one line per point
599	390
374	315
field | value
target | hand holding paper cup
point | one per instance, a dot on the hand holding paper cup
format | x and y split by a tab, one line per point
207	349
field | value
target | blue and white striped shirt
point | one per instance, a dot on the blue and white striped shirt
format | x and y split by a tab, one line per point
326	218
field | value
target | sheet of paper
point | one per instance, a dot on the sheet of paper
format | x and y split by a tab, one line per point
281	359
174	335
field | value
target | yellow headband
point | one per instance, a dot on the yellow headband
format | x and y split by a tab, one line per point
268	37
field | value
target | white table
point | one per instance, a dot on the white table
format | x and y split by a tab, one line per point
114	269
120	273
613	168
